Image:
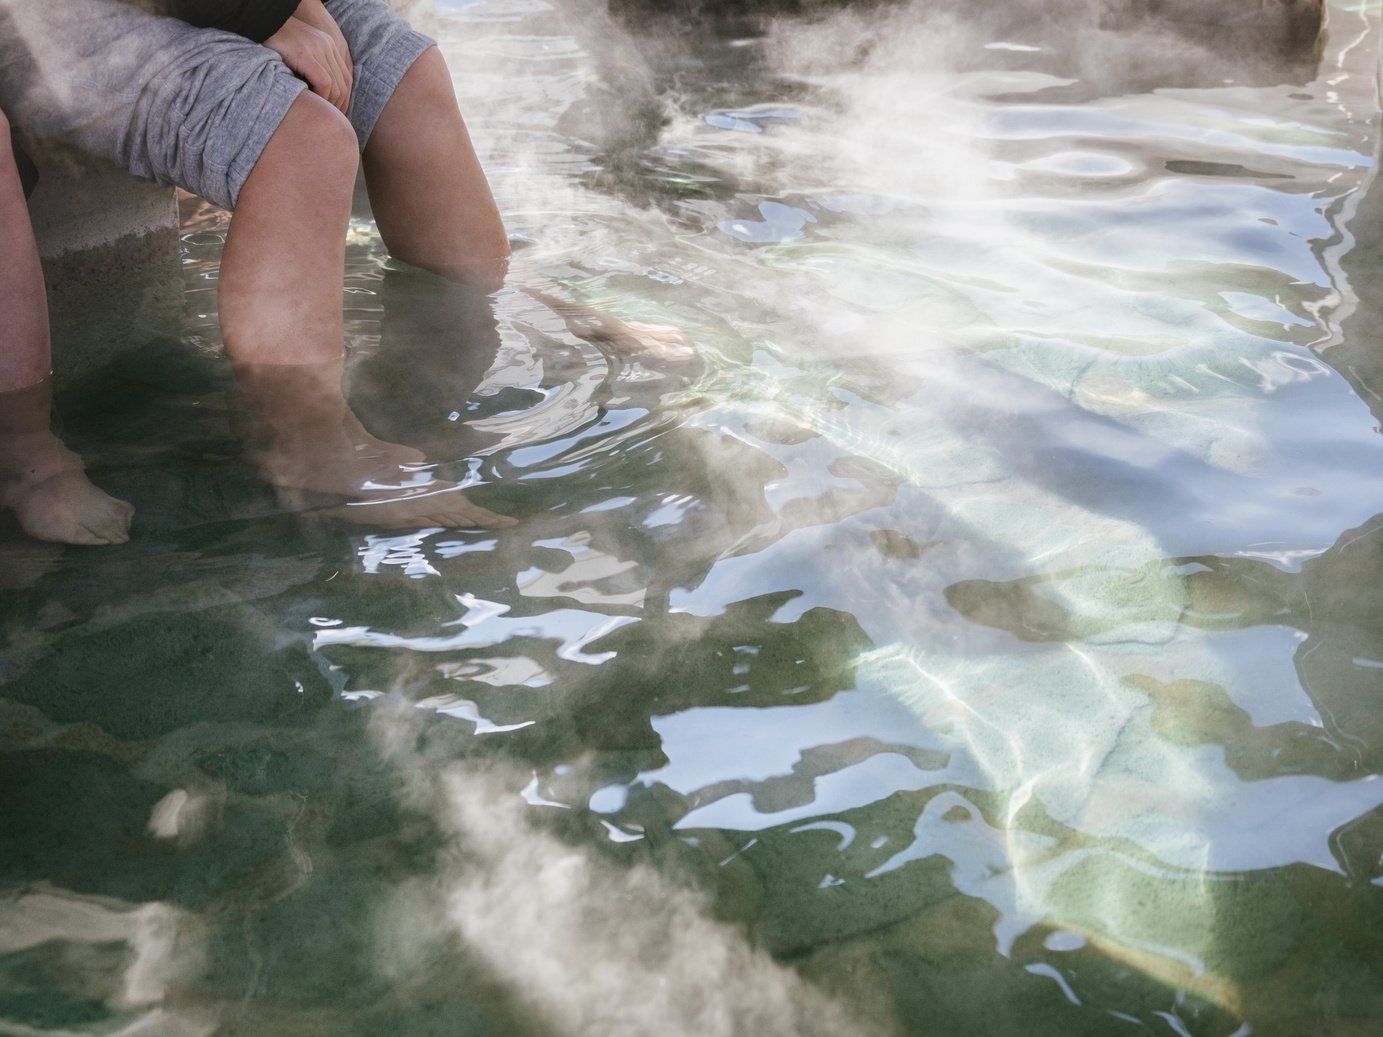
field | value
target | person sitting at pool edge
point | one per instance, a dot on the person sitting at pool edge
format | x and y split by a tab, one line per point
268	108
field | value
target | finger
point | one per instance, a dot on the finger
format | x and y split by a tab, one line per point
331	61
343	81
345	71
340	95
318	78
318	68
341	59
343	84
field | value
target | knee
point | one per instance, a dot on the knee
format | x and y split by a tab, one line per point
320	142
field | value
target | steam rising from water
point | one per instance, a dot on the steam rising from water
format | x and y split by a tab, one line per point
592	948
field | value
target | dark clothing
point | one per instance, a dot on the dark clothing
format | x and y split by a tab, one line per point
254	19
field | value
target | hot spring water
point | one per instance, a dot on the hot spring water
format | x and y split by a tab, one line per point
979	636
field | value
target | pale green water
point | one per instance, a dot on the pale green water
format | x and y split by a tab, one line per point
981	638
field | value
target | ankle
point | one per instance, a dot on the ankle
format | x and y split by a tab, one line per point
31	458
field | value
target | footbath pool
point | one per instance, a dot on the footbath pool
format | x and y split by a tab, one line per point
980	634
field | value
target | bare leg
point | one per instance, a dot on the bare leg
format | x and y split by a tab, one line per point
281	319
24	352
280	279
41	481
434	208
429	195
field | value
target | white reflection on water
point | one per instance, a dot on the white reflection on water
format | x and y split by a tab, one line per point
711	745
979	286
485	625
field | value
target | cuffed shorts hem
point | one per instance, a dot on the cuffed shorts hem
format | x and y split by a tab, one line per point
379	75
224	189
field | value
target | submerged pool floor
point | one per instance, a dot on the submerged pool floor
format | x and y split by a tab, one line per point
981	635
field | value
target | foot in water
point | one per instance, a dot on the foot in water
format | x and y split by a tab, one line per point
44	484
663	341
391	496
320	459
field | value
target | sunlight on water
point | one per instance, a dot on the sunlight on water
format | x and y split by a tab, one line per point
979	635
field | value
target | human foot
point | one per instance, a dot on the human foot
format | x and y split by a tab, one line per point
44	484
415	500
363	486
320	459
659	340
663	341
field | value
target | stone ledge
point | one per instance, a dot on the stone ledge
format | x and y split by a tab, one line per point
109	243
92	218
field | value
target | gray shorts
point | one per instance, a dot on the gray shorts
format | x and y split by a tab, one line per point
176	104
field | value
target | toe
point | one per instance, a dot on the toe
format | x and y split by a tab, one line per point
108	537
112	532
83	536
110	522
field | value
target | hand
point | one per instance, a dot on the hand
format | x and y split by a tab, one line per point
314	12
312	54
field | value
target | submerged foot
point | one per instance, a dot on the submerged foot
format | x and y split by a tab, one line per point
381	485
660	340
320	459
402	499
44	484
663	341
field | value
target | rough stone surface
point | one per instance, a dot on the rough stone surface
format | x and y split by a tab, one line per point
109	245
82	204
